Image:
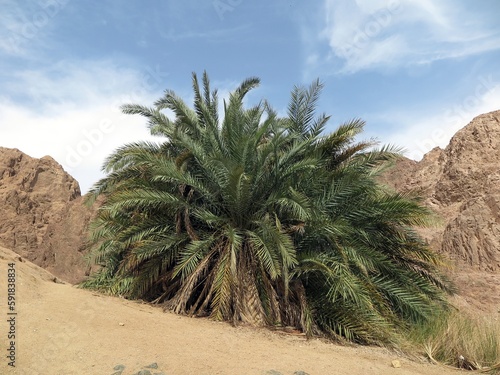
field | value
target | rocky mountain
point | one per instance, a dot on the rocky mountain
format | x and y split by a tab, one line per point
43	217
462	185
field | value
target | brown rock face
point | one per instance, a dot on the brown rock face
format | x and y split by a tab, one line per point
42	215
462	185
473	236
64	243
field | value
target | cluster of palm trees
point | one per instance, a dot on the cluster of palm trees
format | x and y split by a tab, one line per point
261	219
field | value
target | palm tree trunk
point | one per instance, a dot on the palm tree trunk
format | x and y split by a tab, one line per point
249	307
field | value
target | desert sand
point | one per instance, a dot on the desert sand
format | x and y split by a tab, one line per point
63	330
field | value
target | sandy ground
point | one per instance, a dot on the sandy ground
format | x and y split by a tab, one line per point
62	330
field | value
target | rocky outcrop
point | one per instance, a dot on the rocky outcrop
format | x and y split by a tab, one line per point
462	185
43	218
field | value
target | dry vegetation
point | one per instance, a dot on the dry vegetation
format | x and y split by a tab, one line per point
462	340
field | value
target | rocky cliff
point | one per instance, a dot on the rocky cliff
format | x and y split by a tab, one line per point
462	185
43	217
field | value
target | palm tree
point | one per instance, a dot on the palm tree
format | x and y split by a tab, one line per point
264	220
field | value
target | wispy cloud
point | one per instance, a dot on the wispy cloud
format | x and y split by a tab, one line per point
377	34
209	34
24	25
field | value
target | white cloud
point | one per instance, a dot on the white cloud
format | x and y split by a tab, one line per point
374	33
71	112
419	134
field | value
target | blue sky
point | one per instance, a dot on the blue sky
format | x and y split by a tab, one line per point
415	70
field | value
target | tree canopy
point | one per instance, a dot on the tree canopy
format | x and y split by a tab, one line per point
267	220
